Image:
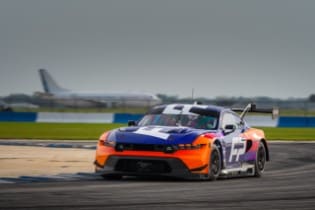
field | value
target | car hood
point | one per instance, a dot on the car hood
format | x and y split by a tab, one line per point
156	135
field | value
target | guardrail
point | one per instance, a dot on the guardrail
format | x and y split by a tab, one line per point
66	117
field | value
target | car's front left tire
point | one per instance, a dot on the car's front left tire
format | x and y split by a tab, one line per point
215	161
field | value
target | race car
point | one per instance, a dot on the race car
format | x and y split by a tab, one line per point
190	141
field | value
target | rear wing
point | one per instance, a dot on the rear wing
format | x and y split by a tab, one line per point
251	107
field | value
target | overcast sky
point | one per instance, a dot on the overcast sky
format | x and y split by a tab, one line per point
219	48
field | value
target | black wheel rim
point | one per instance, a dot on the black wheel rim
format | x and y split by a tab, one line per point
261	158
215	163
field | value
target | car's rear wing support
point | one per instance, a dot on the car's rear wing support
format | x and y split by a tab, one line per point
251	107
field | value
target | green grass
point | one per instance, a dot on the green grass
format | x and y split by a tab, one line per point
81	131
290	133
56	131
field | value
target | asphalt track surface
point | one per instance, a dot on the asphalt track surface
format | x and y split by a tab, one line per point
288	183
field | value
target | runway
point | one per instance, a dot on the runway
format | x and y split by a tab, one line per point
288	183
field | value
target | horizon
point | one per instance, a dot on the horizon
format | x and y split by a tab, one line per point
217	48
187	97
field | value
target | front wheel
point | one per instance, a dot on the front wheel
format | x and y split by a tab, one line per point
260	160
214	164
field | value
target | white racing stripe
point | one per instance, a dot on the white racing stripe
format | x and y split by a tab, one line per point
154	132
170	109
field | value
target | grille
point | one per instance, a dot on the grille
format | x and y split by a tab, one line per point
142	166
140	147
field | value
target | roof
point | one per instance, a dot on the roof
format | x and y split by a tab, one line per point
185	109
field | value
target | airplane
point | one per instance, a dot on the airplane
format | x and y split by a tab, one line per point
89	99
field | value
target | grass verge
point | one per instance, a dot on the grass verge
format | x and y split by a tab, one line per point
290	133
56	131
82	131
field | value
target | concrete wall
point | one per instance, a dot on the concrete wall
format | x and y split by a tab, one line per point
75	117
18	116
306	122
264	121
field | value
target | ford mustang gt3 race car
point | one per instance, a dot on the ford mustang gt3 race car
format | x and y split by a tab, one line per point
185	141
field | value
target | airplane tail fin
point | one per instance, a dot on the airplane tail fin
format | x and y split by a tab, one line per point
49	84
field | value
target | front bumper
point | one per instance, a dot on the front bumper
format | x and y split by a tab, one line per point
147	166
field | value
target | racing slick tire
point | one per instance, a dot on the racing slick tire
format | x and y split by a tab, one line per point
214	168
260	160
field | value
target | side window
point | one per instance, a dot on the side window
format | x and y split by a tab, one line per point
238	121
231	119
228	119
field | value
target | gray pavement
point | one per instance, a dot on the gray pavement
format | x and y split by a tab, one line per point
288	183
84	144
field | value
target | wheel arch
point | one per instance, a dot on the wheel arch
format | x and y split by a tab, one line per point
266	147
219	146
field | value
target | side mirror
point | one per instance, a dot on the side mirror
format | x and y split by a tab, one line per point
132	123
229	128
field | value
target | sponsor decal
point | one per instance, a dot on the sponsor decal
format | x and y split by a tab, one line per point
173	109
238	148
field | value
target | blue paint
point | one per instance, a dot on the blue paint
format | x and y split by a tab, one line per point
300	122
18	116
124	117
176	136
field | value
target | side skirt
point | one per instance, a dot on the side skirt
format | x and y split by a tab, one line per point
245	170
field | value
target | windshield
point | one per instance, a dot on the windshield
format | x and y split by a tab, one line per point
192	120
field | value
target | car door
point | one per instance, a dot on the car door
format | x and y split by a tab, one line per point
233	145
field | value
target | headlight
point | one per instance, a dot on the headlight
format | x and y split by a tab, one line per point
109	143
104	140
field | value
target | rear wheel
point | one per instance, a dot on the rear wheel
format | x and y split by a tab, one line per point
260	160
214	164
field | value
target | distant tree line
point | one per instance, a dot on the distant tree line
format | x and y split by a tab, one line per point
291	103
312	98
